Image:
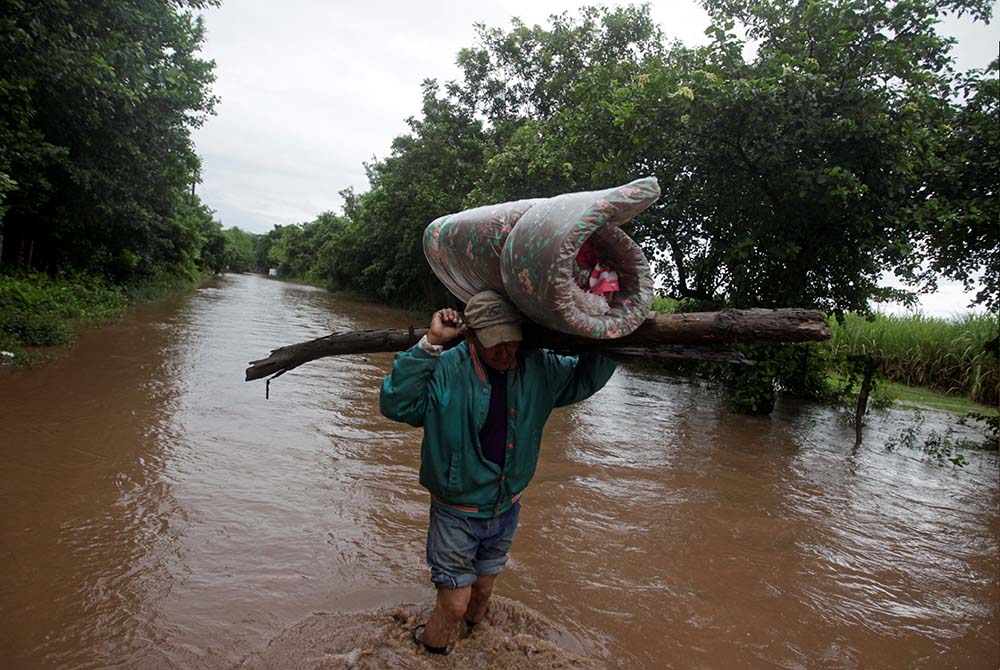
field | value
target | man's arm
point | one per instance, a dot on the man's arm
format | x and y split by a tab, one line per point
409	390
576	378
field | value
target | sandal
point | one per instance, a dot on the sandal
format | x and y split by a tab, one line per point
443	651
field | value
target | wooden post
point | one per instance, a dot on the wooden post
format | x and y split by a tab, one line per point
866	386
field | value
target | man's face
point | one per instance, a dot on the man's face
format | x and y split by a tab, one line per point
499	357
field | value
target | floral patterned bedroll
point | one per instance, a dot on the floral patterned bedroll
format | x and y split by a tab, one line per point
545	255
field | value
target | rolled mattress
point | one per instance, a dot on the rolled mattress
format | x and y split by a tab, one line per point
528	250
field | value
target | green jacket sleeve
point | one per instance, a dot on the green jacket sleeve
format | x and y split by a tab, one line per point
409	389
576	378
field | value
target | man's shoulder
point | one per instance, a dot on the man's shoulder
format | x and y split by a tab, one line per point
540	353
456	355
534	357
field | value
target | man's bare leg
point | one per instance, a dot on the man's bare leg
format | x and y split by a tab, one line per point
480	598
451	606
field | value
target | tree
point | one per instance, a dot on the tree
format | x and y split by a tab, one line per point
831	133
960	214
238	251
97	101
791	179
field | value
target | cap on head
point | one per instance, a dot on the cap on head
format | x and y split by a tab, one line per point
493	318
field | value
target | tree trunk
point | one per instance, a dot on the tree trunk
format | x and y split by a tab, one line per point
695	336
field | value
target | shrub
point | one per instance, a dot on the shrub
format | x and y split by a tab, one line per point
36	309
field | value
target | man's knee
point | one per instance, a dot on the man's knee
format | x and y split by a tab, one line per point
453	602
483	587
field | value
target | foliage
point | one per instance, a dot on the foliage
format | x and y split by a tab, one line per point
992	425
534	73
797	369
35	309
961	218
97	102
791	180
238	252
752	390
665	305
939	448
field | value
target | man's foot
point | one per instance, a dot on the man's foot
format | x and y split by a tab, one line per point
443	651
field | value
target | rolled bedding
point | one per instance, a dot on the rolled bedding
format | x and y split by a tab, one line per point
563	261
464	249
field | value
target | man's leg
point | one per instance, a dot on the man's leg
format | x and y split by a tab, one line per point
451	606
480	598
491	558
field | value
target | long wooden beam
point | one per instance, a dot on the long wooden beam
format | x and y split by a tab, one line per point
695	336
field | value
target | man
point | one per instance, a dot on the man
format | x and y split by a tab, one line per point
482	405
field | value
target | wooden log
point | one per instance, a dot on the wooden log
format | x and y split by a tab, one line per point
730	326
695	336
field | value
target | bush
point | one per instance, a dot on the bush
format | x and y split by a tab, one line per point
35	330
36	309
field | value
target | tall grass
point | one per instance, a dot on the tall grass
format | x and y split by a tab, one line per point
958	356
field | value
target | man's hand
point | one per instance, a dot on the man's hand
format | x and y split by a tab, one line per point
446	325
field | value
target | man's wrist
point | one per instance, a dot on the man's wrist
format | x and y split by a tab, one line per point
427	347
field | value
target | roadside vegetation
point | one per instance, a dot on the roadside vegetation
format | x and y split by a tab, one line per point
949	364
97	165
40	310
37	310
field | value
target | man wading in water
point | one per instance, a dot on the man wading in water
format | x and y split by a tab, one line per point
482	405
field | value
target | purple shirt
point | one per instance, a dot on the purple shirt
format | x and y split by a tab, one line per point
493	436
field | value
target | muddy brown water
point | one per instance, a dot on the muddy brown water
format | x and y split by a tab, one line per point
158	512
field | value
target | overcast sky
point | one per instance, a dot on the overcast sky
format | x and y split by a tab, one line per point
311	89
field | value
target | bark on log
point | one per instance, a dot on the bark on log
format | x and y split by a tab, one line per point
700	333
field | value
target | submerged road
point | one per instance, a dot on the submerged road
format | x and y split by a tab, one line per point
160	513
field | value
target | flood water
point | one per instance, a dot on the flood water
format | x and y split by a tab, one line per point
158	512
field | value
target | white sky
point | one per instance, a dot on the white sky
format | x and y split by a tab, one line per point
313	88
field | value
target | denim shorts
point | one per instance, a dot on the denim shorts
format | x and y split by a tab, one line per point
461	548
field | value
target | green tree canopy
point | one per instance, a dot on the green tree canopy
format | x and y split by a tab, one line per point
97	102
792	179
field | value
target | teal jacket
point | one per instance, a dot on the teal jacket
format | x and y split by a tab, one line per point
449	396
